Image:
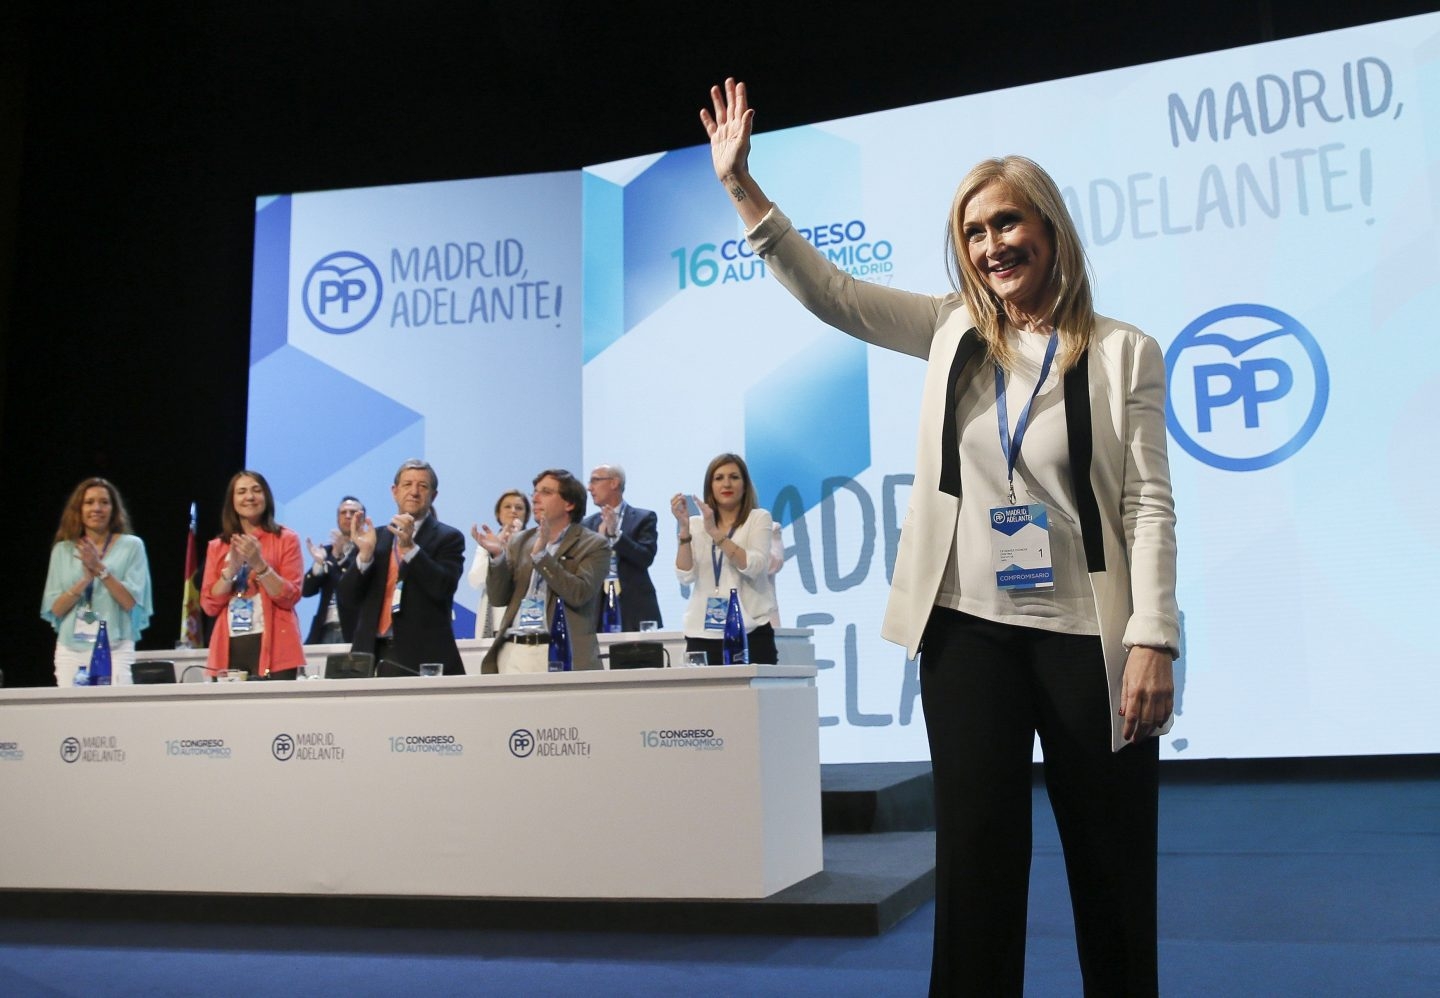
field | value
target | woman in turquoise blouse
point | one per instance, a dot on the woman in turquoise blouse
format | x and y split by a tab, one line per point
98	571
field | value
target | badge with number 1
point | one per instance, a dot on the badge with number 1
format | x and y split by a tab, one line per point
1020	544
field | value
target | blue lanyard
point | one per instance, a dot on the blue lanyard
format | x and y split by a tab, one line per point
1011	448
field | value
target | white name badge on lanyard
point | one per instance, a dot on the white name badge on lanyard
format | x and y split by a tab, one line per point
1020	547
532	614
242	614
715	609
87	625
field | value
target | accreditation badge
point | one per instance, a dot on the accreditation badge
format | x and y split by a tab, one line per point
531	616
242	615
87	625
715	609
1020	547
395	599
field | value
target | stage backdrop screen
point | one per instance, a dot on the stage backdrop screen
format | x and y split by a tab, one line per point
1269	214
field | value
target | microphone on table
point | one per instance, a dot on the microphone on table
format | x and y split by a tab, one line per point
387	665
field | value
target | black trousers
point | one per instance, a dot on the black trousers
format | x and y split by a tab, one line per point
761	643
987	689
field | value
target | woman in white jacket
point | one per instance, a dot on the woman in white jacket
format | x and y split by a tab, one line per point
726	547
1035	576
512	515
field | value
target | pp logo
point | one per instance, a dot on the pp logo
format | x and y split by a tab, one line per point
1248	387
522	743
70	749
283	747
342	292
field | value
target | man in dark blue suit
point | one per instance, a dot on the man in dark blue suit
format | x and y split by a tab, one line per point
333	622
403	579
633	538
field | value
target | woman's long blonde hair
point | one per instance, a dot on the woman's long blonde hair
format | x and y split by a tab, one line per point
1072	311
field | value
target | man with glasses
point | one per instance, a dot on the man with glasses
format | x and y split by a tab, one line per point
557	560
633	538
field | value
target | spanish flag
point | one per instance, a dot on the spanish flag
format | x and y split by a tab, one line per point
191	634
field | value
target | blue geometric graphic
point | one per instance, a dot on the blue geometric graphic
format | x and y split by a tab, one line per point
270	282
629	263
603	283
809	420
348	419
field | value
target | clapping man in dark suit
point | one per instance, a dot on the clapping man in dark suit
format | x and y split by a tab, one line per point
403	580
333	623
633	538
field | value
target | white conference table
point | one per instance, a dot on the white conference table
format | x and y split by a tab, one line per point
651	783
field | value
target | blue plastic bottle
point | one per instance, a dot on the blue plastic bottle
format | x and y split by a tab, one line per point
736	643
560	660
100	658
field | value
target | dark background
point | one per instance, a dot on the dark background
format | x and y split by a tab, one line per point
134	139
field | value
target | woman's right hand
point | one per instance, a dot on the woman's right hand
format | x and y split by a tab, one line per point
682	514
729	129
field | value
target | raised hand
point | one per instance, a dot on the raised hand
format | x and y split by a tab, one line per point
316	551
492	543
402	525
89	556
678	507
707	520
362	535
729	128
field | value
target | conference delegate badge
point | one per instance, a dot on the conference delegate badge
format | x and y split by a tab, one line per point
532	614
87	625
395	599
715	609
1020	545
242	615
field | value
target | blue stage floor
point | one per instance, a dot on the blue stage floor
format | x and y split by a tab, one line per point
1306	887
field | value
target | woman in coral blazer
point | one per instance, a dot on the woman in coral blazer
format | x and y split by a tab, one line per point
252	583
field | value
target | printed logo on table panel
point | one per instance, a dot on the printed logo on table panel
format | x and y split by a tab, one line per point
307	746
548	743
92	748
522	743
1248	386
11	752
203	748
445	745
699	739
